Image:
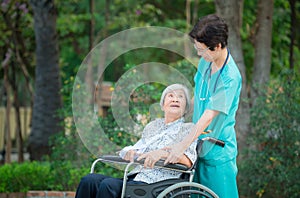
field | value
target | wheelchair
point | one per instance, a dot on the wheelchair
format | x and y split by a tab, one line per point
170	188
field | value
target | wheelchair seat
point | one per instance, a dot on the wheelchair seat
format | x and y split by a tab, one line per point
149	190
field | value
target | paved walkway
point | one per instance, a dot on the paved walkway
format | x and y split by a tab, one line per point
39	194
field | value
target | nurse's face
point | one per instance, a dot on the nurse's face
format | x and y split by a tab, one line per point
204	51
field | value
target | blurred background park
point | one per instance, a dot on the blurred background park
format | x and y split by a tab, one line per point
44	42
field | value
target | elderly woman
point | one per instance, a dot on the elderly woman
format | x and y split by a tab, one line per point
175	102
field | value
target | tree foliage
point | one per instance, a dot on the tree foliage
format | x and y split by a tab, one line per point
272	164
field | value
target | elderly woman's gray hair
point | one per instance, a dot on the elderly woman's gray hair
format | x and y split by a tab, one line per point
172	88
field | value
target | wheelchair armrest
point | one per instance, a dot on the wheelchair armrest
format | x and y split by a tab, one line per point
160	163
112	158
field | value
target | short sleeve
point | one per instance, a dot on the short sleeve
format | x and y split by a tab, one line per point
222	98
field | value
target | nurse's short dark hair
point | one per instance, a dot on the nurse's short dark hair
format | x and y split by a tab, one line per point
210	30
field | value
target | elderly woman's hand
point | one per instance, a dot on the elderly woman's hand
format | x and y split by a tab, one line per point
152	157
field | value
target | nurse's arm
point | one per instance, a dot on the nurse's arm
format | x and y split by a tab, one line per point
178	149
192	105
200	126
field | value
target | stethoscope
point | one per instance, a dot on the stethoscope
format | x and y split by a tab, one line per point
208	81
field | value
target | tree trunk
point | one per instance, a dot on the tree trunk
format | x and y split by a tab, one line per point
195	12
17	115
187	43
47	98
262	44
188	14
232	12
293	32
92	25
89	80
101	62
7	113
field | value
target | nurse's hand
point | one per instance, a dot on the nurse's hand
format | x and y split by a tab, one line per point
129	156
176	151
152	157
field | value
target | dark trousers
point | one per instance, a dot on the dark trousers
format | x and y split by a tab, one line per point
101	186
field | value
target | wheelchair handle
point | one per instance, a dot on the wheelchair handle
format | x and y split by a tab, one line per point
214	141
210	139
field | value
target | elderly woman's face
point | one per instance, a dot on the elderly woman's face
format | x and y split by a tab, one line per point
175	103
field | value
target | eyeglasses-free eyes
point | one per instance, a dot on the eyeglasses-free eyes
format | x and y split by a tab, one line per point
199	50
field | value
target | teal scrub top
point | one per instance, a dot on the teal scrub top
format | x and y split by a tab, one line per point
220	94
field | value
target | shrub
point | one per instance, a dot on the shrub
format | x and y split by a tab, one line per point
26	176
272	166
6	180
39	176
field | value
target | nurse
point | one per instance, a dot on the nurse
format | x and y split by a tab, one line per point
216	98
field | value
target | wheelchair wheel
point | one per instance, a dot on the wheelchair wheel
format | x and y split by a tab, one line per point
186	190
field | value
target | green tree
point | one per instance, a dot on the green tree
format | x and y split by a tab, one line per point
16	48
47	98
